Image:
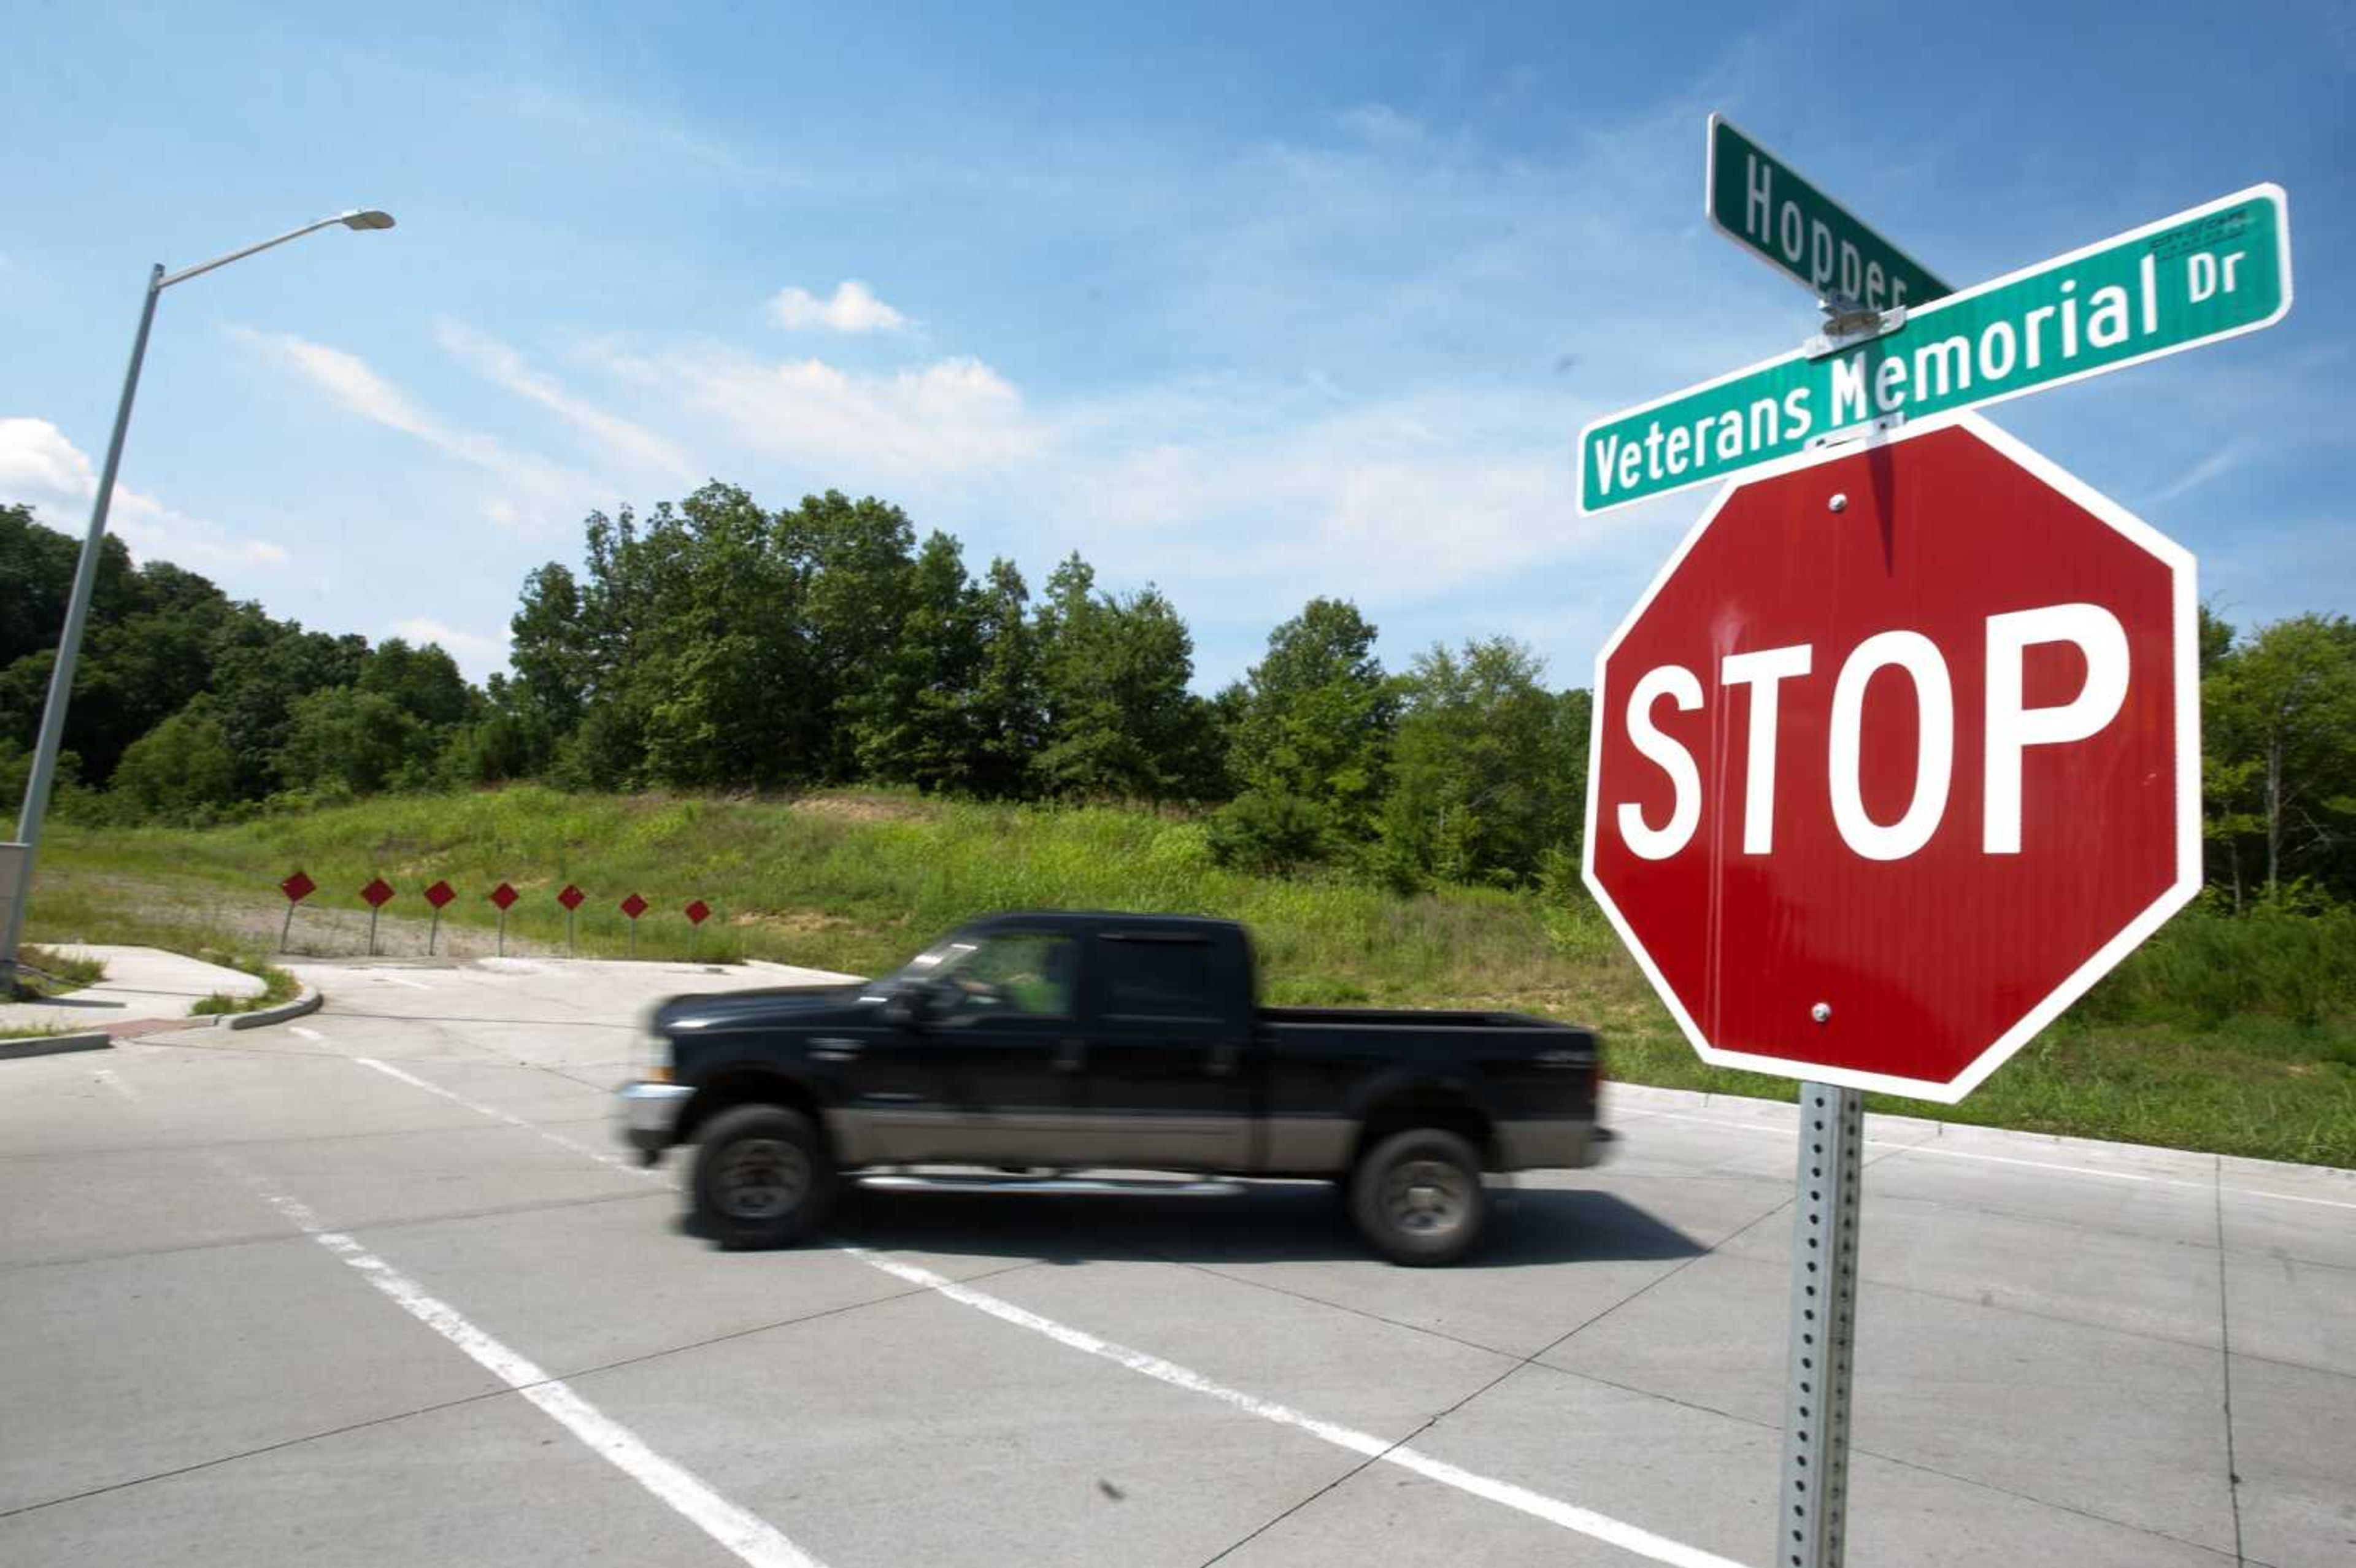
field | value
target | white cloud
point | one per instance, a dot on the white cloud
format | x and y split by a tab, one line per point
634	445
535	496
852	308
476	654
858	430
39	467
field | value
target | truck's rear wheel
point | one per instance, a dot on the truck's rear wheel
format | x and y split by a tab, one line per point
763	1176
1417	1196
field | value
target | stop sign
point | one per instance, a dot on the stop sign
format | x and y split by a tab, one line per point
1898	756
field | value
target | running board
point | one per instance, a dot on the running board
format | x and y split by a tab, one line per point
1098	1186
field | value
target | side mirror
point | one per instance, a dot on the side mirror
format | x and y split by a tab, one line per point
909	1006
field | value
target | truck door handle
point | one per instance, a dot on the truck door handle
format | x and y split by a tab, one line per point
834	1049
1225	1057
1071	1055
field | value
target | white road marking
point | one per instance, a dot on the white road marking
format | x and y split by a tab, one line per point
299	1032
753	1539
1568	1516
2088	1170
393	980
611	1160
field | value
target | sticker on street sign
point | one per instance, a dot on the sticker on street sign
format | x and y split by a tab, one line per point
377	893
503	895
297	888
698	912
1899	754
571	897
2213	272
440	893
634	906
1761	203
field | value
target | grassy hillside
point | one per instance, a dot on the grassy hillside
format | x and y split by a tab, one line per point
858	882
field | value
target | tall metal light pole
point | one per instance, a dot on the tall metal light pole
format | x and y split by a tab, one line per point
16	858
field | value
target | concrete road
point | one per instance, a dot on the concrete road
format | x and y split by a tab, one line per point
379	1287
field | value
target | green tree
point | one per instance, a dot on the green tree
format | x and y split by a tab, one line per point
180	771
2281	763
1477	792
1308	736
425	681
346	739
1008	702
917	722
1121	723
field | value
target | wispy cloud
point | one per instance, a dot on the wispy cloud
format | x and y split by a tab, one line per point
633	444
607	126
853	307
2216	465
41	468
535	495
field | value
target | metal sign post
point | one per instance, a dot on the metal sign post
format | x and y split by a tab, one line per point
1814	1497
502	897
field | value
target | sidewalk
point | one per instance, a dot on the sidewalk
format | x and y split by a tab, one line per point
143	985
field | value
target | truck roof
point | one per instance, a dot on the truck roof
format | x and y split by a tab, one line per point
1082	921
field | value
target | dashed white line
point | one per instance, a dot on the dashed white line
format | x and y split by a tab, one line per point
751	1538
612	1161
1568	1516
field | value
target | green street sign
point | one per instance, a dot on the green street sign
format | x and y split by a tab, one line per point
2214	271
1762	204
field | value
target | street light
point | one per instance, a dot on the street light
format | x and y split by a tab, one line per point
16	858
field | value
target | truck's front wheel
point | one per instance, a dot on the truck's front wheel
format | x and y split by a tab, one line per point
762	1175
1416	1195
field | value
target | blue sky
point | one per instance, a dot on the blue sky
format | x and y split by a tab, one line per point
1253	301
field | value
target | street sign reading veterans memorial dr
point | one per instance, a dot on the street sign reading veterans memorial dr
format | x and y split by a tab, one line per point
1898	756
1758	202
2211	273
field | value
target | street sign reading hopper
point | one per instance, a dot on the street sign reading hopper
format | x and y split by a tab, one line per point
1761	203
1898	756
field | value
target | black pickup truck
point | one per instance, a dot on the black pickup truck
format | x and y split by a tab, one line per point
1105	1041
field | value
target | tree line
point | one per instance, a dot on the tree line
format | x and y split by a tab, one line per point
714	644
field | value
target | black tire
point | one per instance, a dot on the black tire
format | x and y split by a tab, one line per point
763	1176
1417	1196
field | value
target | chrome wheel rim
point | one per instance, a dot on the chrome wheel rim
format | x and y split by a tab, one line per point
1426	1197
761	1179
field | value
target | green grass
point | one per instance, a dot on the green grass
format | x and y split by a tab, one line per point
2234	1063
282	987
54	973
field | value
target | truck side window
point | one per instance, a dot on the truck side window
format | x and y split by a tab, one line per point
1027	974
1155	978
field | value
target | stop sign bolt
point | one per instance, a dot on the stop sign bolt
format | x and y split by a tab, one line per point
1838	503
1822	1012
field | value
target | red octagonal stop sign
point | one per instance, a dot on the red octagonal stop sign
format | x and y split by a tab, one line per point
1898	756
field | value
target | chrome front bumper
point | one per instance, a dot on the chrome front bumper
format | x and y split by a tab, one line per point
648	1115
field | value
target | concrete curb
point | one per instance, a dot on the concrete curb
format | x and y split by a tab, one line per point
308	1001
51	1044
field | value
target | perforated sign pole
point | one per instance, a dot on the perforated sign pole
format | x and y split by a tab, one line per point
1812	1500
